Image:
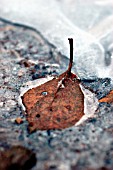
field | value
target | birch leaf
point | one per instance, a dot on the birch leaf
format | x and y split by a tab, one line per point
56	104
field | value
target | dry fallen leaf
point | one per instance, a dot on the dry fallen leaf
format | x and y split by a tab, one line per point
18	158
56	104
108	98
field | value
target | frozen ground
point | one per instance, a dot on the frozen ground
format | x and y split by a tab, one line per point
89	23
85	147
27	54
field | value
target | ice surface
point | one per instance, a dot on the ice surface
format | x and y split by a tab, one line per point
59	20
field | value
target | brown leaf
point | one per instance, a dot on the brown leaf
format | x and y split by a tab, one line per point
18	158
108	98
56	104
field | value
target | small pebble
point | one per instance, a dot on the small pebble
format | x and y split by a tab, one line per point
21	72
1	104
44	67
37	67
19	120
35	76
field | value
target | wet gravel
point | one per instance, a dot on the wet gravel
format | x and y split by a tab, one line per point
25	55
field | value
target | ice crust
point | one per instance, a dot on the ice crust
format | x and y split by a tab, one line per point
59	20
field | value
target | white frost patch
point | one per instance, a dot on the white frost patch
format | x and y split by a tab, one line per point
32	84
90	105
60	84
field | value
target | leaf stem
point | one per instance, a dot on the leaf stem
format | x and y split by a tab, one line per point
71	56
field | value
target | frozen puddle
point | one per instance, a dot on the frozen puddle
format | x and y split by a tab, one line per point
90	99
66	19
